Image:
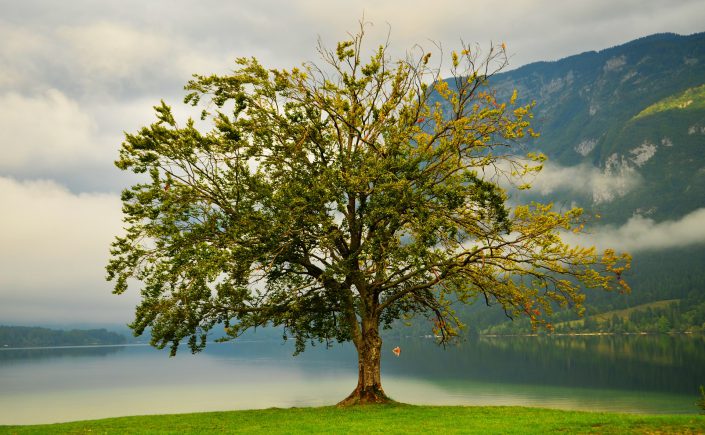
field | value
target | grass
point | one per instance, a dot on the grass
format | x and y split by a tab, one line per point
693	98
388	419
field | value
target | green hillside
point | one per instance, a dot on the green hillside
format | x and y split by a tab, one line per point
637	110
693	98
635	115
584	97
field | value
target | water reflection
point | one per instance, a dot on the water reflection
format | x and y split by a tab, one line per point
643	363
632	373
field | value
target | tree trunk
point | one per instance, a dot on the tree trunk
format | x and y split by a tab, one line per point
369	386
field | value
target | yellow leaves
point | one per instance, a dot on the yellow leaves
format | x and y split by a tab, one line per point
520	112
444	91
537	157
454	57
504	46
521	212
611	260
615	265
575	212
513	98
426	57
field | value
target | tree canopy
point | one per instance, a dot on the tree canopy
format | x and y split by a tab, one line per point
338	197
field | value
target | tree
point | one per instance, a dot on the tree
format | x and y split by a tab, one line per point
334	199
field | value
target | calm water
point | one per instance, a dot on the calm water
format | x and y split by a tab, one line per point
629	374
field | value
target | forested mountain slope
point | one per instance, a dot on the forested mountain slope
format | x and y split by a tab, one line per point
635	112
624	131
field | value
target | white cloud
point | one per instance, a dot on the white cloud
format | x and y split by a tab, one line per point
44	131
103	59
51	136
110	53
55	245
614	181
643	234
109	49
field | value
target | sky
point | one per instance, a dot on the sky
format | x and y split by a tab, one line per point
76	75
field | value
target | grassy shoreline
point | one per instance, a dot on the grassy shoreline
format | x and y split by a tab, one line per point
397	418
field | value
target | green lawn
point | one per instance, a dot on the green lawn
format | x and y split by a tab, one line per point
383	419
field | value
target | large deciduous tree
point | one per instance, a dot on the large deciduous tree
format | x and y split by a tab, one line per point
333	199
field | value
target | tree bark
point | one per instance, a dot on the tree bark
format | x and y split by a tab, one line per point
369	352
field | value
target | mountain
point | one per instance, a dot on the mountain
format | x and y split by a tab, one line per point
624	131
635	112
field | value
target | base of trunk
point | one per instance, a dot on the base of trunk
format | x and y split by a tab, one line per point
366	396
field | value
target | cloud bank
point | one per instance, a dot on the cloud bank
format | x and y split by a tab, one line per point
643	234
131	47
600	185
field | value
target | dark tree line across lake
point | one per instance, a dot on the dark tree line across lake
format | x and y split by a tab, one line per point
24	336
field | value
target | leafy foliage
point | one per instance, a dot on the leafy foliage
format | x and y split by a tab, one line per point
334	199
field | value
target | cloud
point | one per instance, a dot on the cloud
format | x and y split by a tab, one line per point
55	245
133	47
618	179
102	59
108	53
583	183
51	136
643	234
47	130
533	30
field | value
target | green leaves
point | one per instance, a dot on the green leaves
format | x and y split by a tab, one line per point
345	50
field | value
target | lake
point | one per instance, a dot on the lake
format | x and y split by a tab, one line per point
650	374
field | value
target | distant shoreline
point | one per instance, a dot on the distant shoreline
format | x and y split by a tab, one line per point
75	346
